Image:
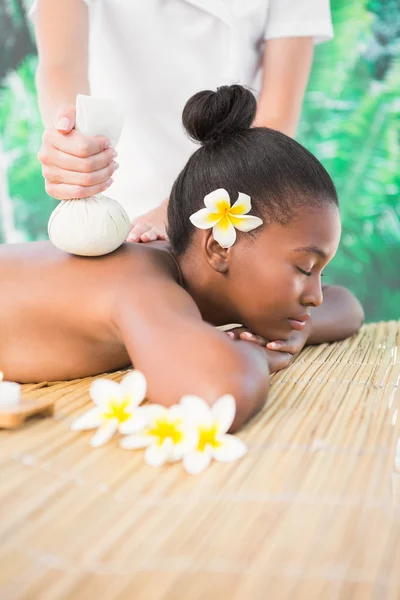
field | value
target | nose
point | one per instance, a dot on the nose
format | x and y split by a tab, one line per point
313	295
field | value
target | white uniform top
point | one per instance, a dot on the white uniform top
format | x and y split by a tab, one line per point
152	55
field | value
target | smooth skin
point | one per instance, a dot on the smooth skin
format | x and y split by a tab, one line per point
64	317
78	166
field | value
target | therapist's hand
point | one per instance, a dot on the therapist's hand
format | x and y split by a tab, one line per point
75	165
151	226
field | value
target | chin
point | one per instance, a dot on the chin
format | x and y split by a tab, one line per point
277	331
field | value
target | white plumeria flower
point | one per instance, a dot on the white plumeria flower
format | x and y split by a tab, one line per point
211	424
166	437
116	404
224	218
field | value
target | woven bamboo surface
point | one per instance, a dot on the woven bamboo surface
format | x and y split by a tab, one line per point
312	511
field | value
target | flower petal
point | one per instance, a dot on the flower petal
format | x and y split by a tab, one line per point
102	390
195	462
136	422
218	201
156	455
89	420
133	442
245	222
152	411
187	445
175	412
204	218
224	233
223	412
195	409
134	387
175	452
104	433
231	448
242	205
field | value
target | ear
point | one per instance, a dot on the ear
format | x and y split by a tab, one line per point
216	256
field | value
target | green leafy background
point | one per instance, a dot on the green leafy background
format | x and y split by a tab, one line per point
350	121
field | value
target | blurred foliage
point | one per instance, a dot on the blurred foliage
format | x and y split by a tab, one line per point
350	121
16	41
21	132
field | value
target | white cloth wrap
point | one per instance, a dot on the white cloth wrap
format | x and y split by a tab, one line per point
97	225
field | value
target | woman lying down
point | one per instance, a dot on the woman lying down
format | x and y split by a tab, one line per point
253	220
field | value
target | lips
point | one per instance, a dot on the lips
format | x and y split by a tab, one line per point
301	318
299	322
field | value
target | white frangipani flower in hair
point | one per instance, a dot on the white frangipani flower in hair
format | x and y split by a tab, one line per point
116	404
224	218
166	437
211	424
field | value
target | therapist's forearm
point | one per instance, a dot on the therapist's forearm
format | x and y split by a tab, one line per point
58	85
286	69
339	316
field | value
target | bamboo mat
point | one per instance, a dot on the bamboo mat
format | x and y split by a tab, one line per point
312	511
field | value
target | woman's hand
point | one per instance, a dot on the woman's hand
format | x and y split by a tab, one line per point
75	165
280	353
276	360
295	343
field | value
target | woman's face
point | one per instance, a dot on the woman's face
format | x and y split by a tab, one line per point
269	281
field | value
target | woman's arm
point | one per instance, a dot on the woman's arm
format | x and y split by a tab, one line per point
339	316
180	354
61	30
286	69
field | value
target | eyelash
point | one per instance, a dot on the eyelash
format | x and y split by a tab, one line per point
307	273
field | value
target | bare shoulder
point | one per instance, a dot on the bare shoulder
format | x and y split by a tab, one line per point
149	285
152	259
152	262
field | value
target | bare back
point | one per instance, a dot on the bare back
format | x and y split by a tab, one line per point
55	309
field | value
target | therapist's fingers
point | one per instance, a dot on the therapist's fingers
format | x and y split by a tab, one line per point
144	232
99	177
74	165
68	162
63	191
75	176
65	118
137	230
153	234
74	142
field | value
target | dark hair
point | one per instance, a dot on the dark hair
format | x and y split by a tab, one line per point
278	173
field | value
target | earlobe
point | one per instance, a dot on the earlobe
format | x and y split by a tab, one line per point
216	256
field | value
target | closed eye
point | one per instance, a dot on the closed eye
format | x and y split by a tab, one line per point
308	273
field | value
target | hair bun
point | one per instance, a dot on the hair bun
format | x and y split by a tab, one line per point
210	116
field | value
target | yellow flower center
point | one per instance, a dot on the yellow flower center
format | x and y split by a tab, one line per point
117	409
163	429
207	435
223	208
